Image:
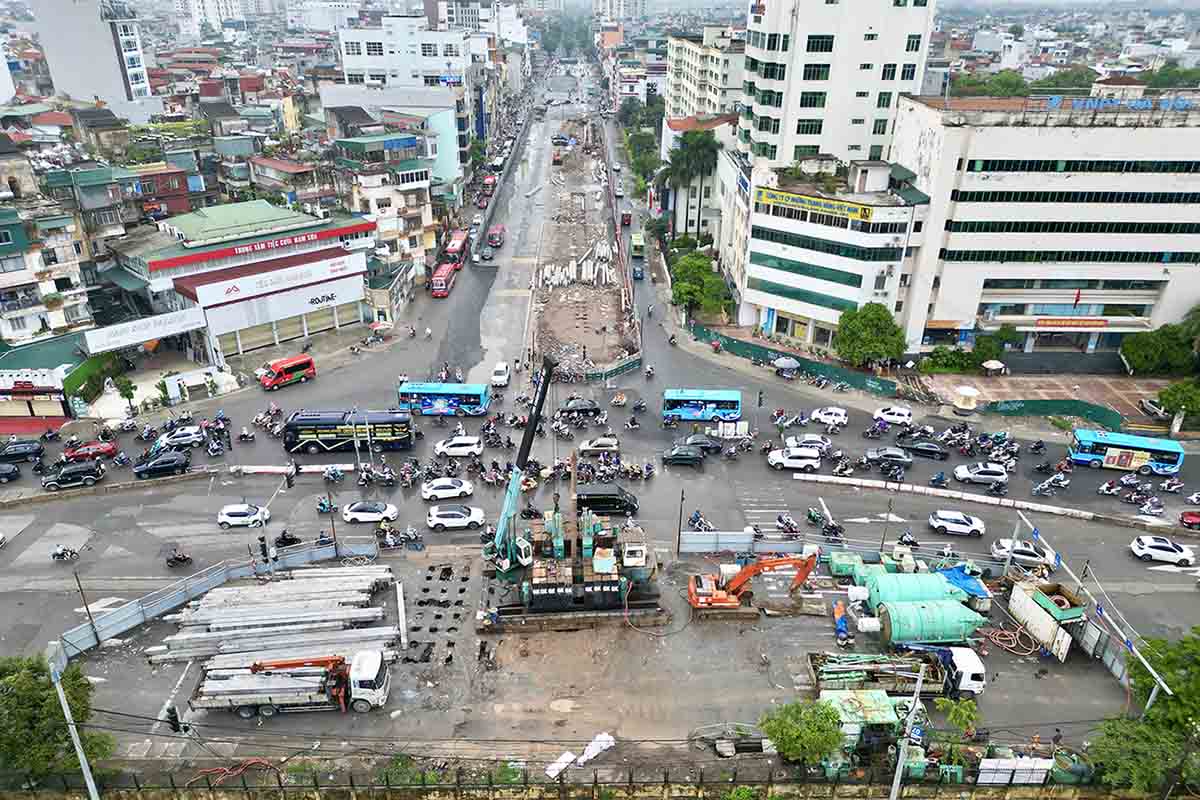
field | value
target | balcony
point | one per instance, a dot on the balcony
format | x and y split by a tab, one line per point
11	308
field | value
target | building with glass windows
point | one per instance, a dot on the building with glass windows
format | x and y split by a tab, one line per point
1076	220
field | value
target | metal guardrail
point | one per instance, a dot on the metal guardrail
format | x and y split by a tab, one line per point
78	640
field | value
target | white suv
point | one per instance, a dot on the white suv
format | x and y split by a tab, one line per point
802	458
981	473
957	523
1160	548
894	415
500	374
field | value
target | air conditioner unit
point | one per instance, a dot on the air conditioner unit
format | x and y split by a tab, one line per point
897	239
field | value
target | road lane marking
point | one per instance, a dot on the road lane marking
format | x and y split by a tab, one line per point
162	712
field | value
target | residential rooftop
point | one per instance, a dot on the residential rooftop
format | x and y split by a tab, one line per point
1165	109
230	221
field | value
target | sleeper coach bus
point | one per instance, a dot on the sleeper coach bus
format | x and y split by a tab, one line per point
694	405
326	431
1142	454
444	399
456	251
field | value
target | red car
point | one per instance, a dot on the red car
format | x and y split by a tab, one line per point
89	451
482	201
1190	520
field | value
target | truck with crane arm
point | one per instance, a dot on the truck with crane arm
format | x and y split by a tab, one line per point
268	688
509	552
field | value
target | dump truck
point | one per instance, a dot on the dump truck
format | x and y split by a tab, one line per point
949	671
320	684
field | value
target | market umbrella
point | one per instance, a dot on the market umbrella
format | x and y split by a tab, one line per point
381	326
993	364
785	362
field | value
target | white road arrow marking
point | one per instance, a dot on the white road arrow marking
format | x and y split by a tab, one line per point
1193	571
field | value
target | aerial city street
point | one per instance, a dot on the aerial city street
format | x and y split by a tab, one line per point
576	394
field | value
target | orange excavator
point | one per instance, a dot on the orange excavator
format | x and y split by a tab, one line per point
731	587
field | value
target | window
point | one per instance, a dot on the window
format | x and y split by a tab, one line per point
431	80
768	125
12	264
826	246
899	3
49	257
429	49
880	281
771	71
958	196
812	99
862	94
1048	226
1074	256
889	72
879	127
1010	165
807	270
914	43
78	248
5	237
854	147
821	43
884	100
808	127
18	323
876	152
903	280
908	72
858	121
870	37
355	77
765	150
772	41
918	226
866	67
353	48
378	77
374	48
816	72
803	150
452	50
769	98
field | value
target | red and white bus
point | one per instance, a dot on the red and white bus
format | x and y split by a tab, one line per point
443	280
489	185
456	251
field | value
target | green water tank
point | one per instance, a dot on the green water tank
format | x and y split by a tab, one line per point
902	587
928	622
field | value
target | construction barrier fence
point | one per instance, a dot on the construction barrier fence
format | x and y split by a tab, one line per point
1101	415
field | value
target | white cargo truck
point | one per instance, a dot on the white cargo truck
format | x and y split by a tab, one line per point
319	684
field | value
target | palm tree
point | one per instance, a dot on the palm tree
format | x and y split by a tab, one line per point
675	172
701	150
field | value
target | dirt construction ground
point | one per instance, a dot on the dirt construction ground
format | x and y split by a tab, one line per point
1121	394
580	315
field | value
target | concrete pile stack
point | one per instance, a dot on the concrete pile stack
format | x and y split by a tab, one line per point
594	268
304	613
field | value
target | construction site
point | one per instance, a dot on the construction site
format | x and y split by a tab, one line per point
582	299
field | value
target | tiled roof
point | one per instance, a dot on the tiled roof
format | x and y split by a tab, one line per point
231	220
701	123
60	118
282	165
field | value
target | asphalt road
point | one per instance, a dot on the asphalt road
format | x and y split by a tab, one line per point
124	537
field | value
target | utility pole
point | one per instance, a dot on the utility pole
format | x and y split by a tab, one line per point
902	751
87	608
56	679
678	528
883	536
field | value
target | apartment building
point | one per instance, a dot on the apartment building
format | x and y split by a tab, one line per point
1073	219
704	73
619	9
94	51
405	52
827	80
196	18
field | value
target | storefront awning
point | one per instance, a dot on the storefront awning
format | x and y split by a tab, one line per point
125	279
946	325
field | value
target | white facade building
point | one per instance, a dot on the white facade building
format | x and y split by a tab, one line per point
826	80
618	9
94	51
1075	220
405	53
322	15
704	73
193	16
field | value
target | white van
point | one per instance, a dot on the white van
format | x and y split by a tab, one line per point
501	374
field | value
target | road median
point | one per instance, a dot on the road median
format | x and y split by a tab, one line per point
107	488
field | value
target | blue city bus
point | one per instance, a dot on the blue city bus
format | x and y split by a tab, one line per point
444	399
688	405
1123	451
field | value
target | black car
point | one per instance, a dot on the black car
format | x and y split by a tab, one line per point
581	406
928	450
168	462
701	440
889	455
81	473
21	450
9	472
683	454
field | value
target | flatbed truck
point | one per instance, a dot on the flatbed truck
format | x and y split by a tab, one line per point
277	687
949	671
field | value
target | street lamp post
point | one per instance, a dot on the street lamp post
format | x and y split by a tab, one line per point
679	526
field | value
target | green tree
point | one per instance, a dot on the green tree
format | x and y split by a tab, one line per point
630	110
1017	29
674	173
641	142
1164	350
1182	396
1142	755
652	113
700	150
125	388
1190	324
1171	76
961	714
698	286
868	334
656	228
802	731
478	153
1076	77
1006	83
987	348
645	164
34	739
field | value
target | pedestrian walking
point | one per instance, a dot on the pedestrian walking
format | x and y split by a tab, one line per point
1057	737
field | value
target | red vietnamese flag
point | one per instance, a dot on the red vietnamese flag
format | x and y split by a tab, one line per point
1078	294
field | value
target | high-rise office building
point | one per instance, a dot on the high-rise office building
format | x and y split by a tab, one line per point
826	78
94	50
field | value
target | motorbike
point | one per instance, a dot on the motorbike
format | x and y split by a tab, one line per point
1038	447
1171	485
730	452
647	470
285	539
786	523
1194	498
1136	498
50	435
671	340
814	516
939	481
631	424
1044	489
967	450
1065	466
871	433
121	460
64	554
908	540
1128	480
843	469
640	405
833	532
618	400
246	435
178	559
670	423
215	448
333	475
128	425
1108	489
1151	509
649	372
1044	468
148	434
530	511
697	522
324	506
998	489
